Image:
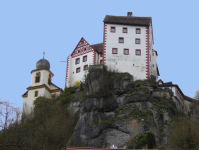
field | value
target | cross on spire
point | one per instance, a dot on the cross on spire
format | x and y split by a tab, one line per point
44	53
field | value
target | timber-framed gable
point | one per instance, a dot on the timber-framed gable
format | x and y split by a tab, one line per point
83	47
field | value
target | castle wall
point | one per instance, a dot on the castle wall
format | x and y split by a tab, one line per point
132	63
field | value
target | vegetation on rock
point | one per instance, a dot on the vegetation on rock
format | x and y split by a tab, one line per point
141	140
161	104
48	127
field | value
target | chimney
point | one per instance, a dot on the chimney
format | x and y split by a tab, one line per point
129	14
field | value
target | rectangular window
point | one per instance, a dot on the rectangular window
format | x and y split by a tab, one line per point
126	51
114	50
101	61
121	40
77	70
138	52
152	54
37	79
137	41
101	55
36	93
138	31
124	30
77	61
113	29
86	67
84	58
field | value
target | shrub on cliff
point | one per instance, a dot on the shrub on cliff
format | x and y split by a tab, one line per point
141	140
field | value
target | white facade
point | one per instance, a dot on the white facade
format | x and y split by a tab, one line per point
43	88
139	66
77	61
131	63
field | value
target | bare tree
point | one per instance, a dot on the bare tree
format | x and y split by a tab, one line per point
8	114
196	95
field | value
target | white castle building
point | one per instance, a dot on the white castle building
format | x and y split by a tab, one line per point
127	47
41	85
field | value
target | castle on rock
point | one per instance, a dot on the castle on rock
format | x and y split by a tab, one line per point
127	47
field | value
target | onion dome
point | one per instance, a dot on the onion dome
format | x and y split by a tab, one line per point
43	64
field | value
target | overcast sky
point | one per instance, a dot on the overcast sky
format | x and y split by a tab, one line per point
27	27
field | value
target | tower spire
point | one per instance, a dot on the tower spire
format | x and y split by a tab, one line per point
44	53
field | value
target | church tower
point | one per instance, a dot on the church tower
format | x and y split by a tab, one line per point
41	85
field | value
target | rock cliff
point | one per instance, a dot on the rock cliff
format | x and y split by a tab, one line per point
114	109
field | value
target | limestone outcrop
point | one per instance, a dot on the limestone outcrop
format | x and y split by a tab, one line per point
114	109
